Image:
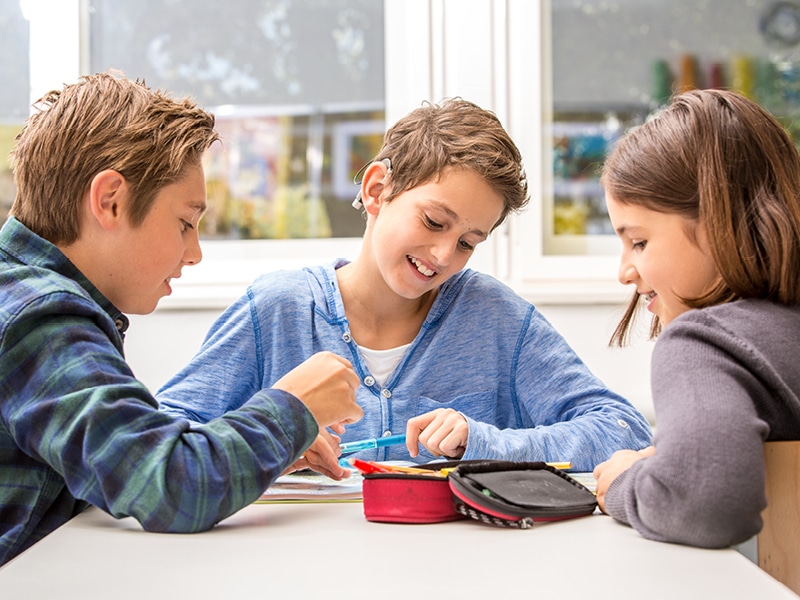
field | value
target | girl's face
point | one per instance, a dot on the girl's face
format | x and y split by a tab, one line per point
660	259
427	234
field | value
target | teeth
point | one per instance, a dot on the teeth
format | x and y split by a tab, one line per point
421	268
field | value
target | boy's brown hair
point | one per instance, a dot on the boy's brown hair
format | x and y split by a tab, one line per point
455	133
724	163
103	121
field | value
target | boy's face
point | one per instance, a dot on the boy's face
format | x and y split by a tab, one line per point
161	245
428	233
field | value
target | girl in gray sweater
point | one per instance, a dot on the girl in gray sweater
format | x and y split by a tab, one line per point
705	197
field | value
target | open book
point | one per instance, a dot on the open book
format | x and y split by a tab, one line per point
310	486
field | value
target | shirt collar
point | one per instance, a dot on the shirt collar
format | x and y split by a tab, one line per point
32	250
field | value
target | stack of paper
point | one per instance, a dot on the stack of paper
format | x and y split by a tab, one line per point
310	486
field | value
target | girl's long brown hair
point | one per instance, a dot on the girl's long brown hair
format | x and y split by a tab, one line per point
723	162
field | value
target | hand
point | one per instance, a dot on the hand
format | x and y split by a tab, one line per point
606	472
323	457
326	384
443	432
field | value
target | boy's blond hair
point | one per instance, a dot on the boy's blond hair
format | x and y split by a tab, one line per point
455	133
103	121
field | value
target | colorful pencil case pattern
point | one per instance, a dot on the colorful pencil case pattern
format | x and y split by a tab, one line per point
501	493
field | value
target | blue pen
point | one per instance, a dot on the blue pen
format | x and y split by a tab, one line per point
390	440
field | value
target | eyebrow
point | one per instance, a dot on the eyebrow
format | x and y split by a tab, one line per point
201	207
450	213
627	229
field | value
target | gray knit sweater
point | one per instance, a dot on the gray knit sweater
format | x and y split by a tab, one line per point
724	380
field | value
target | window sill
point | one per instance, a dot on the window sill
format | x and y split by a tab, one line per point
217	294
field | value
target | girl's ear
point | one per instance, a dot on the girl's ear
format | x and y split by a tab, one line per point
108	193
373	185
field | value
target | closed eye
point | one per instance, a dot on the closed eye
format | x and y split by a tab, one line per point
431	224
186	226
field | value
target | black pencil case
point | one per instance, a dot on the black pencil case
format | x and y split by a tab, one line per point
517	494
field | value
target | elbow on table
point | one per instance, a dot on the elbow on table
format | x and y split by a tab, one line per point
182	527
717	539
178	524
713	530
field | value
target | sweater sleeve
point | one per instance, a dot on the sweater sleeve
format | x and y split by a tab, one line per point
567	413
78	409
705	484
223	374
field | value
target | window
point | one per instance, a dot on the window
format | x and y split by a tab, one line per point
566	77
14	86
613	63
297	88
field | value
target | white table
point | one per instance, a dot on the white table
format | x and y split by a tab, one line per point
330	551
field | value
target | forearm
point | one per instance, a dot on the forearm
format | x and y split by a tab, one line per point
690	504
565	411
99	429
585	440
705	484
196	475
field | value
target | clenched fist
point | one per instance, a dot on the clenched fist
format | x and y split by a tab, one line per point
326	384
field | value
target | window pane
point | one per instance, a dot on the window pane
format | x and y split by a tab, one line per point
615	62
14	91
298	89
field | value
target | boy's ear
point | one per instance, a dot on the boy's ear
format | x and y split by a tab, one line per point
108	193
373	185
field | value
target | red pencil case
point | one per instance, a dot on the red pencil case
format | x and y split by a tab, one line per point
501	493
409	498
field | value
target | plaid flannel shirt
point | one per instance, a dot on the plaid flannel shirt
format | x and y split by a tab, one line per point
77	428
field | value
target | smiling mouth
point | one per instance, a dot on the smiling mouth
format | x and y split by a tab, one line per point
649	299
421	267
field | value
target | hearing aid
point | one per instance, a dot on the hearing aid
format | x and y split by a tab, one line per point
358	202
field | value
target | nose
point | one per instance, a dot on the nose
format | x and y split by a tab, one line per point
443	252
627	272
193	254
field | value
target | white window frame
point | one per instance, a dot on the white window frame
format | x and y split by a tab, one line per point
493	52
